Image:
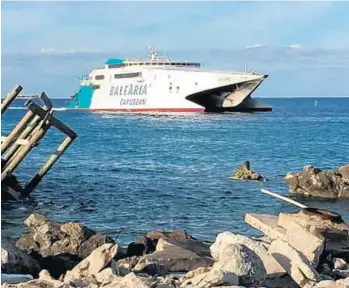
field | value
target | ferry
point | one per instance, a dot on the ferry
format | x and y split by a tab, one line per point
160	84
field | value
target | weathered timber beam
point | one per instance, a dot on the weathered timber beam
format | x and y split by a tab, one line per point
18	141
23	152
12	150
36	109
10	97
14	133
47	166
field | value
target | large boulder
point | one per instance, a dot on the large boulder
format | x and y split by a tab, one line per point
93	243
243	262
94	263
171	258
147	243
344	171
59	247
244	172
124	266
320	183
47	238
14	261
225	239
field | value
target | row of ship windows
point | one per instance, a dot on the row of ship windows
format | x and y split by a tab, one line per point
153	64
118	76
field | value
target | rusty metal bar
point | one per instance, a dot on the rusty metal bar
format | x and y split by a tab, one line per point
10	97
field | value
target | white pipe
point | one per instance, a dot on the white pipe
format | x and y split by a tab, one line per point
283	198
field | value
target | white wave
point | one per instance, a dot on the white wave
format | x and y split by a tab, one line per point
60	109
17	108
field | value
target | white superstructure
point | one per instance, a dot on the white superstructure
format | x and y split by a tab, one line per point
162	85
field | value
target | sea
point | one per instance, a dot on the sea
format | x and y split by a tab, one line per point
126	174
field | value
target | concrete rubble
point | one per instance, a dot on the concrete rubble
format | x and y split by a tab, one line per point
309	248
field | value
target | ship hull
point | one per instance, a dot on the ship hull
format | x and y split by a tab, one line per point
169	90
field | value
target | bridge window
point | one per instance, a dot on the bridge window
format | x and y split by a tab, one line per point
127	75
99	77
116	65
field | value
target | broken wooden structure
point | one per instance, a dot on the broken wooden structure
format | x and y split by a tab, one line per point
27	134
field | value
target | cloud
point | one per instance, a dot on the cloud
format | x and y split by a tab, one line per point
68	51
253	46
182	25
290	41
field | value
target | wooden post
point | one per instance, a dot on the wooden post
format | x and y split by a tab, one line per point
36	136
47	166
12	150
14	133
36	109
10	97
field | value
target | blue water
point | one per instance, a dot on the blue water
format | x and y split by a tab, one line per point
135	173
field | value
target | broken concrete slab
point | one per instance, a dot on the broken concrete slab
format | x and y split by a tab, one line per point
294	263
173	258
268	224
308	244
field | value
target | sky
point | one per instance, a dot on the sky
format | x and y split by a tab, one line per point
302	46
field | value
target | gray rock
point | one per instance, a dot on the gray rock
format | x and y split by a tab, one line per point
344	171
48	238
224	239
93	243
243	262
124	266
340	264
244	172
14	261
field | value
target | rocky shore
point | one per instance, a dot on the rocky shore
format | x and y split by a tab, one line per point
304	249
320	183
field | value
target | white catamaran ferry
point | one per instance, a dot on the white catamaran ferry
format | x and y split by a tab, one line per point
163	85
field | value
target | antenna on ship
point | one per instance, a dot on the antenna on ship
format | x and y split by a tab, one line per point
153	53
